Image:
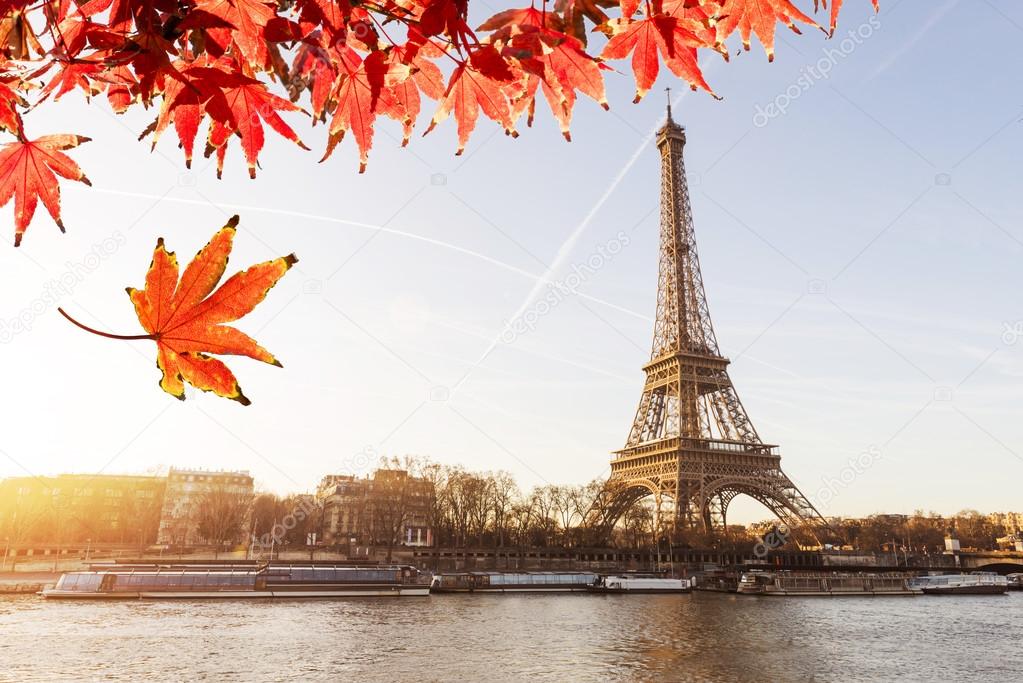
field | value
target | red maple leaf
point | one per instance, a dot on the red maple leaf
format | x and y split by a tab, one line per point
470	91
643	38
28	172
249	102
836	6
242	22
760	17
363	91
660	36
426	78
236	105
313	69
10	119
551	58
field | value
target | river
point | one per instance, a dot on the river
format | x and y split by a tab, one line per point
579	637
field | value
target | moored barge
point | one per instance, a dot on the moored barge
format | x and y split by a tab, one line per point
825	585
225	582
512	582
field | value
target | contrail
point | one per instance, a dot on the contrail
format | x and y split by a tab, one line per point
566	247
540	280
908	45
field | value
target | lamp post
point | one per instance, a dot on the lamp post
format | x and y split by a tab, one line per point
56	557
7	551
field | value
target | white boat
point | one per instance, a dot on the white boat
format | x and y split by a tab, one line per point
1015	581
639	584
976	583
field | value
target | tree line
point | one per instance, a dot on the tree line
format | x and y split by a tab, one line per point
460	507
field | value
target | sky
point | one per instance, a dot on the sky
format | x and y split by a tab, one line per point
858	210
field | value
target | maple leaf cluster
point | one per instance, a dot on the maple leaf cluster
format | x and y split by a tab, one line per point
219	63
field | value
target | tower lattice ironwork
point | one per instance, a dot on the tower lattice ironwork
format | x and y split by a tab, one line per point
692	446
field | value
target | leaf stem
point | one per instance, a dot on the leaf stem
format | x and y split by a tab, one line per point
126	337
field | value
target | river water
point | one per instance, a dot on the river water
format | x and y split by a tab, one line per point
578	637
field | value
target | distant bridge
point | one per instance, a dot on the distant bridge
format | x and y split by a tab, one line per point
1001	561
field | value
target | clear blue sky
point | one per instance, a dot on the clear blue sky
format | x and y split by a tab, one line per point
861	256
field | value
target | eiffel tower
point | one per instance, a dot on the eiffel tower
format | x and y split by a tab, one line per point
692	446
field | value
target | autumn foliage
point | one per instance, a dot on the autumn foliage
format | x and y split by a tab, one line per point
233	67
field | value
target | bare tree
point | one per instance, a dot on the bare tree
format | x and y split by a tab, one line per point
543	502
505	493
638	525
390	506
221	515
143	521
22	521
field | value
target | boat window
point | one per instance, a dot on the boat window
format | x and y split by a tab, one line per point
68	582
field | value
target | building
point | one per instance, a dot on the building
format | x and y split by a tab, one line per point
390	508
342	498
1012	542
202	507
81	508
1012	522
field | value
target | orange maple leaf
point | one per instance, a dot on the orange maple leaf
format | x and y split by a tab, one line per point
185	319
27	169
